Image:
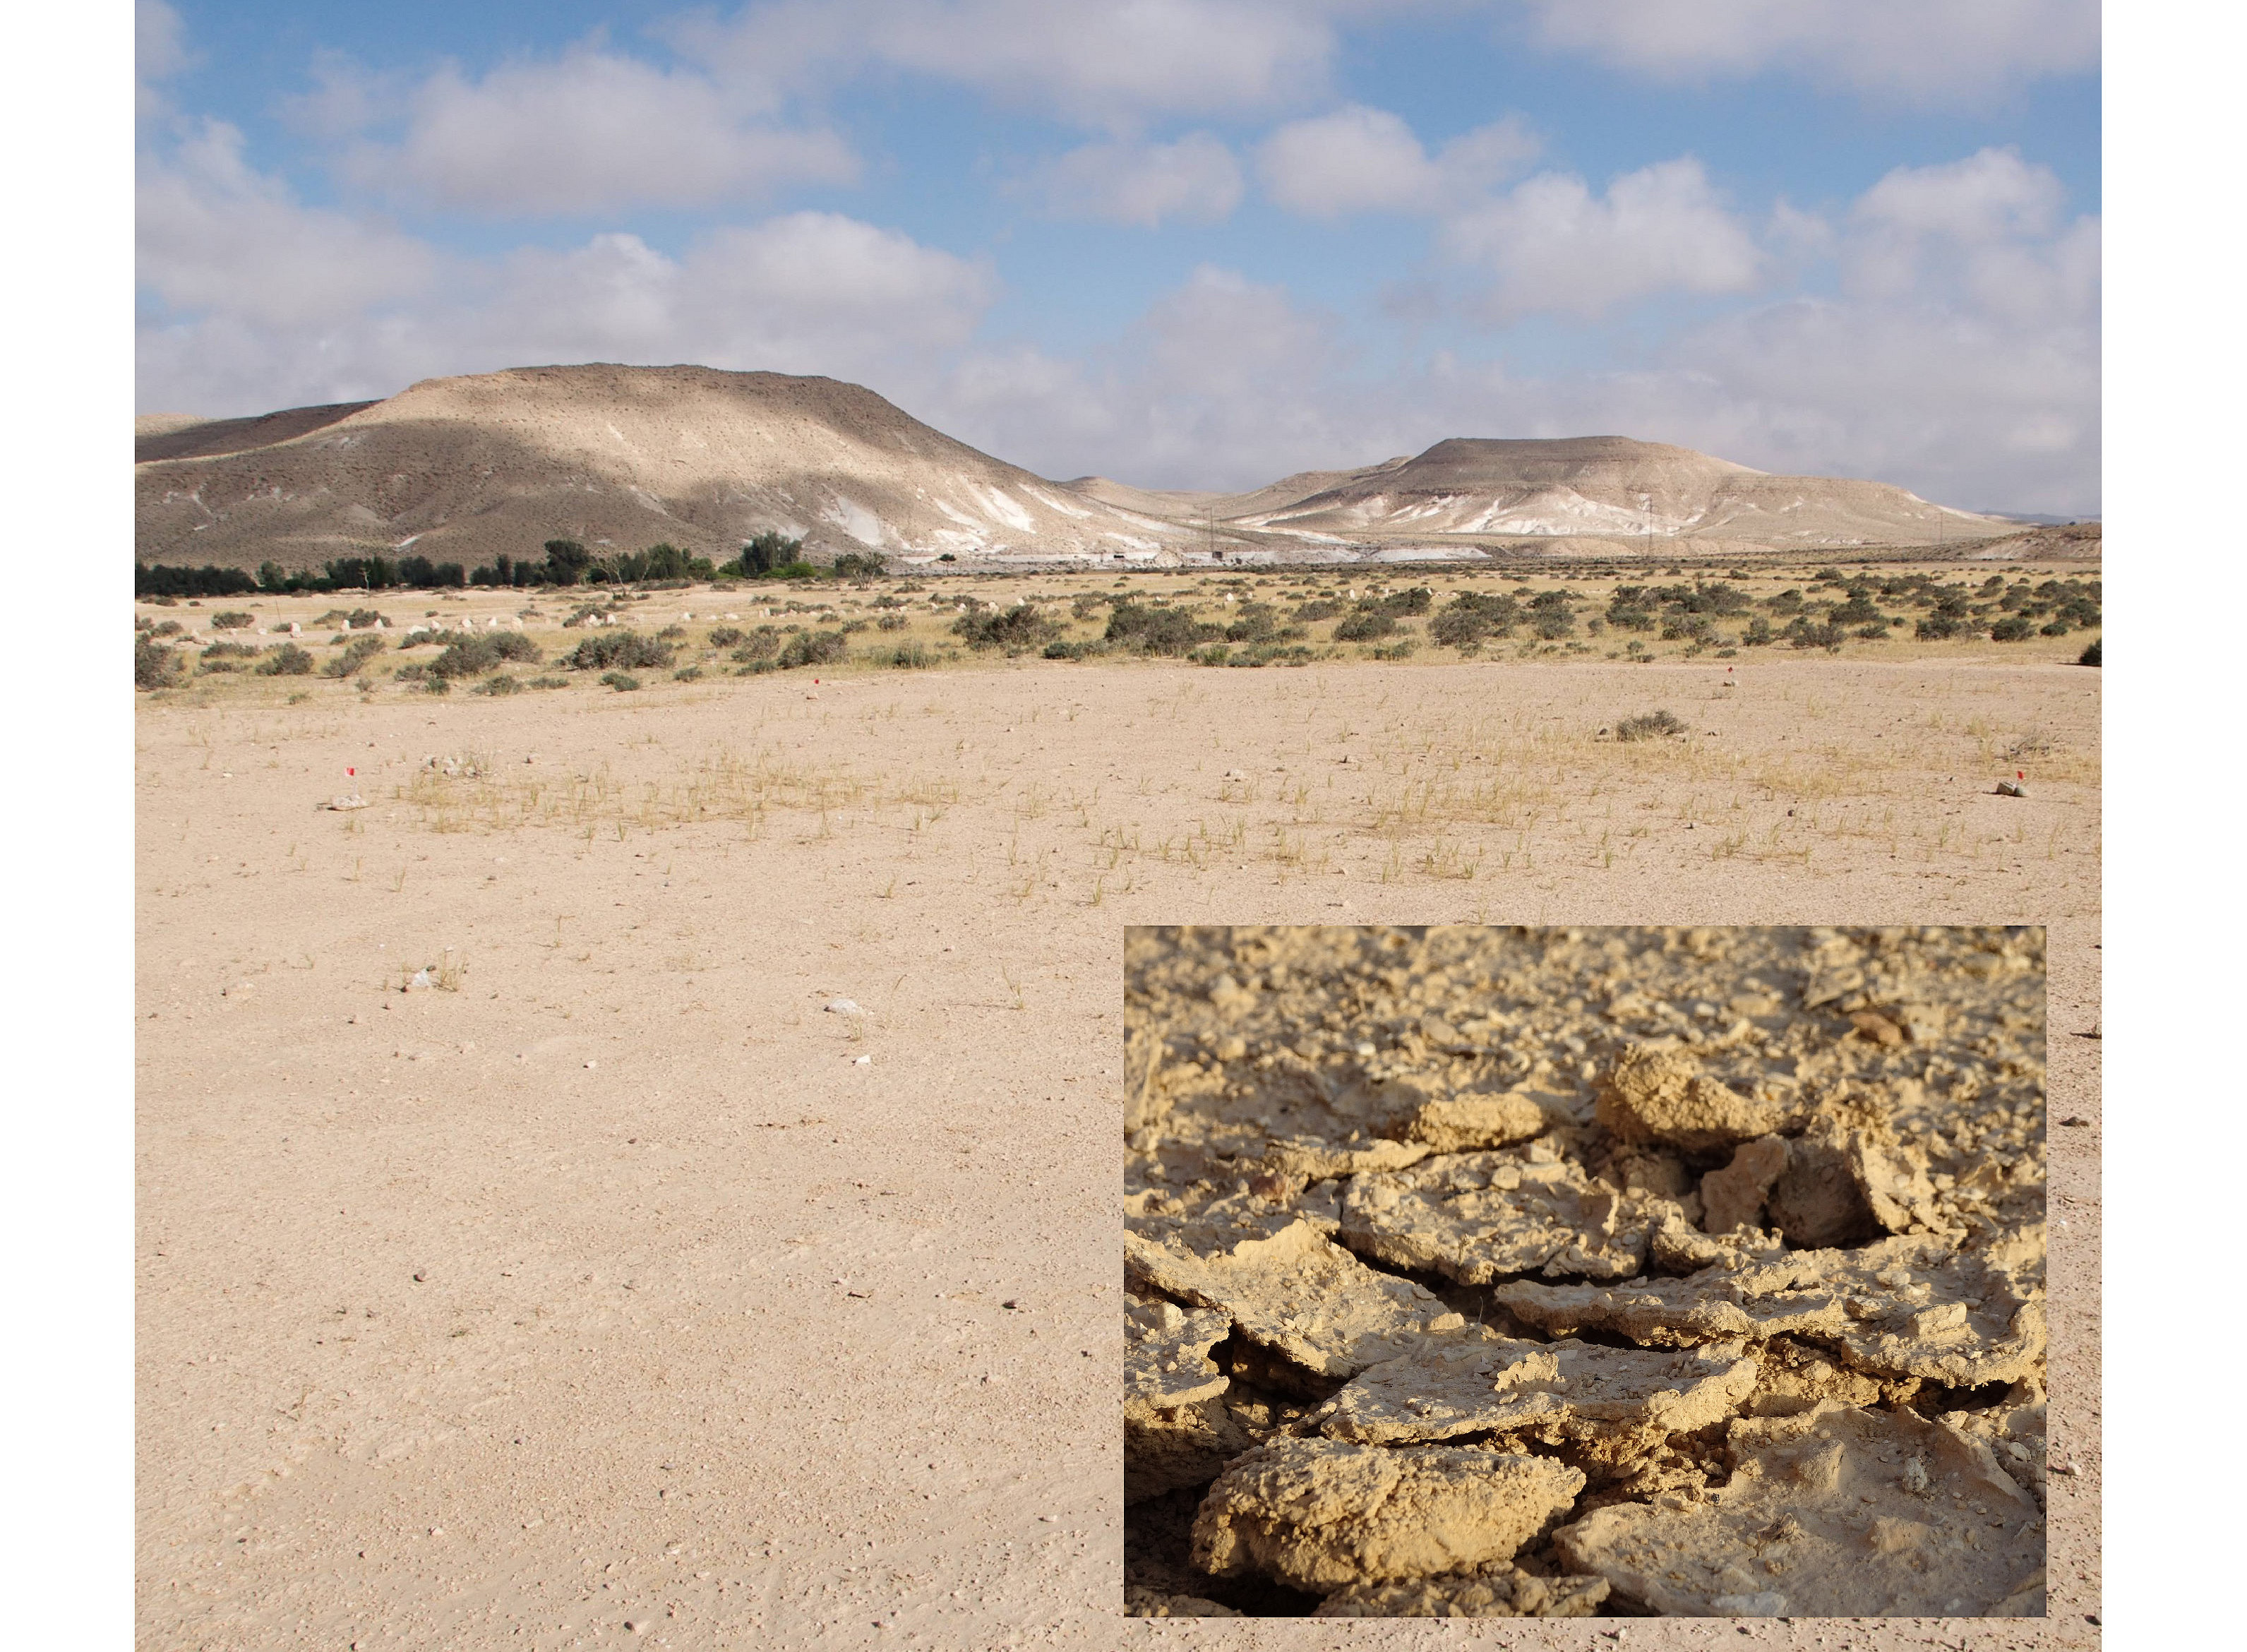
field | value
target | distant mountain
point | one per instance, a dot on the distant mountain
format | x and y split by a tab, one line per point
1610	487
464	470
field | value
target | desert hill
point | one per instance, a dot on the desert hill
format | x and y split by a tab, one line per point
182	436
463	469
1612	487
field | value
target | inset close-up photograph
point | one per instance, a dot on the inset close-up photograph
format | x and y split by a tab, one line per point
1485	1272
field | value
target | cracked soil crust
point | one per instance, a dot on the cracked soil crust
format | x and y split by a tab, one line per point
1484	1272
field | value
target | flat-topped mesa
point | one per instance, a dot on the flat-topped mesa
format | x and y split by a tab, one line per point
1639	495
472	466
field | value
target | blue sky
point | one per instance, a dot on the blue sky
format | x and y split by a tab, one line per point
1186	242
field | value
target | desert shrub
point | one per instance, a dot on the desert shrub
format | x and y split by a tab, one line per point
912	656
1212	655
354	657
1254	623
287	660
167	628
229	650
153	665
813	648
1408	604
411	674
1938	627
1653	725
1016	630
1401	649
687	674
1367	624
1874	633
2011	629
1088	604
1553	622
760	645
1858	611
1063	649
437	685
1471	618
891	622
547	681
852	627
474	656
231	620
861	564
1803	634
613	650
623	682
498	685
1787	602
1323	608
1630	616
1156	631
1690	627
2090	655
726	636
672	633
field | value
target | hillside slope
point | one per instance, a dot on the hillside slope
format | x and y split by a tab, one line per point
1612	487
466	469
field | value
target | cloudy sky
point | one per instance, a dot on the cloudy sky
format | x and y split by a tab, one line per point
1184	242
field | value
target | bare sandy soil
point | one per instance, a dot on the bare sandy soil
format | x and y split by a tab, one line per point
602	1281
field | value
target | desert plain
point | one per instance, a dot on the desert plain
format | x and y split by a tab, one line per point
651	1174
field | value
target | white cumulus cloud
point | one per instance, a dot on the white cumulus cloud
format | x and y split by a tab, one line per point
1363	160
1113	64
1195	179
1550	244
1915	50
213	236
591	131
253	300
160	51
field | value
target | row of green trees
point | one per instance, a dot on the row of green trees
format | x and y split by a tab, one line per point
566	562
